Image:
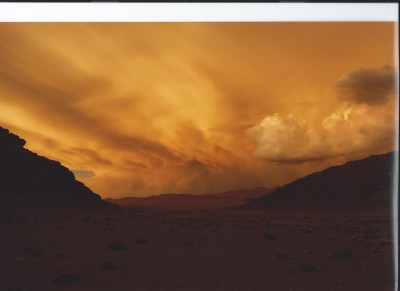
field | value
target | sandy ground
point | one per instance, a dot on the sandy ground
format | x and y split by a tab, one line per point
204	250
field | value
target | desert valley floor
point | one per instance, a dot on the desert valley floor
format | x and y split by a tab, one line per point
331	230
197	250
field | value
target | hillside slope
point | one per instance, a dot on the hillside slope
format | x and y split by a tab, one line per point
365	183
30	180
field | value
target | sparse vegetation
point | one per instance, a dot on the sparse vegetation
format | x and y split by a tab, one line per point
142	241
10	288
375	249
306	230
117	246
61	256
31	252
386	243
111	219
19	260
188	243
343	255
370	235
307	268
358	238
108	265
351	228
281	256
269	236
86	219
67	279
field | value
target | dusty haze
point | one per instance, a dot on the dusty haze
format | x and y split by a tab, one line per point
149	108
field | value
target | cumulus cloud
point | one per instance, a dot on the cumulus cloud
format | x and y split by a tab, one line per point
366	125
368	86
283	138
349	133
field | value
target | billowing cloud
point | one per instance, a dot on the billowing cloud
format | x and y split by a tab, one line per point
284	139
368	86
354	130
350	133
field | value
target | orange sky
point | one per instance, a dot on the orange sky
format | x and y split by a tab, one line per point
148	108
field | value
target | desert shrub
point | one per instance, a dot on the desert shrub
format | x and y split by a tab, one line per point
351	228
142	241
188	243
67	279
358	238
117	246
111	218
386	242
371	242
11	288
269	236
343	255
281	256
336	227
18	260
61	256
371	229
307	268
375	249
108	265
370	235
31	252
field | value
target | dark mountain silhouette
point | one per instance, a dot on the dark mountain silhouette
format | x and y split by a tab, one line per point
30	180
172	201
362	184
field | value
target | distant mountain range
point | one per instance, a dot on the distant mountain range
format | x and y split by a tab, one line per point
173	201
362	184
30	180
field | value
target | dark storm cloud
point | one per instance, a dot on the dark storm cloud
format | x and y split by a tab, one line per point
369	86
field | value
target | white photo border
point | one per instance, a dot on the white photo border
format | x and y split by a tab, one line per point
197	12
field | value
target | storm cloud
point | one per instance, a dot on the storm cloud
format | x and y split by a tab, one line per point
365	124
369	86
153	108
